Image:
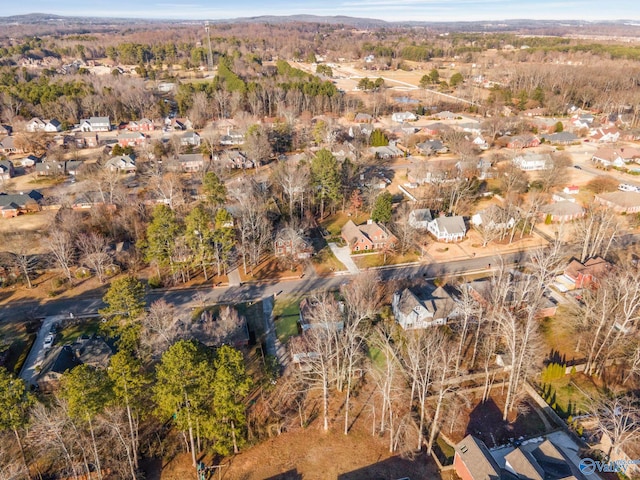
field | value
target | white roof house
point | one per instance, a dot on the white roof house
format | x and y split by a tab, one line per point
533	161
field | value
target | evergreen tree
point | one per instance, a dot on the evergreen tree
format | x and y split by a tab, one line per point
199	236
382	208
325	172
378	138
161	237
214	190
87	391
15	402
125	304
231	385
183	380
129	382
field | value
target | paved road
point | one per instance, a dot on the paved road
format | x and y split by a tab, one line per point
192	297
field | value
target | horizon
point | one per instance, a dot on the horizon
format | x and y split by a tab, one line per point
386	10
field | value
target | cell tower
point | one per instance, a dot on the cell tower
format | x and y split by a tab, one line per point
209	50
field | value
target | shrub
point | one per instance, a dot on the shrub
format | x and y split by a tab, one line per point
155	282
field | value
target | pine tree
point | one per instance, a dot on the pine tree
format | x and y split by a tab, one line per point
231	384
382	208
125	304
15	402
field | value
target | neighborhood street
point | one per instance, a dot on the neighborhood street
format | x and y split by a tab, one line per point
186	298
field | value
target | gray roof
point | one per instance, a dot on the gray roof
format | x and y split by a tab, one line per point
422	215
560	137
20	199
564	207
451	225
523	463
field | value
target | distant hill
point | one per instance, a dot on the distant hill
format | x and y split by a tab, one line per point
520	25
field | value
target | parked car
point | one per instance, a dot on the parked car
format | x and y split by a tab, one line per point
48	340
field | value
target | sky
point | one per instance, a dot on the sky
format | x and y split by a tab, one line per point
391	10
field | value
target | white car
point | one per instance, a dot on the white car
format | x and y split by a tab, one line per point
48	340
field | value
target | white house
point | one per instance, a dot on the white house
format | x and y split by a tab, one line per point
448	229
422	310
190	138
493	218
53	126
35	125
401	117
533	161
95	124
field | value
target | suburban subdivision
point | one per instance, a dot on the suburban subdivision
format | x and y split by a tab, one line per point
312	247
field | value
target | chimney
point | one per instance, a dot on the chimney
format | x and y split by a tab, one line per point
369	222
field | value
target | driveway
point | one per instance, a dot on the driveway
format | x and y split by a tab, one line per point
344	255
36	355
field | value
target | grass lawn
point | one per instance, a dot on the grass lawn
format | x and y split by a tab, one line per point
334	223
286	311
325	262
85	326
377	260
559	336
377	357
575	390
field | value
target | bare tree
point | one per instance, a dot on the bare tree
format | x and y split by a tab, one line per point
255	227
596	231
20	257
60	245
619	419
94	253
293	179
159	327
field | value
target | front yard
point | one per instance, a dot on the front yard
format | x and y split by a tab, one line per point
370	260
286	311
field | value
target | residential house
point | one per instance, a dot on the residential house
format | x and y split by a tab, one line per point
571	190
95	124
493	218
448	229
87	200
291	243
583	120
561	138
72	166
7	145
386	152
191	139
7	170
431	147
532	460
86	140
519	141
35	125
234	159
5	130
232	138
53	126
420	218
562	211
401	117
422	308
579	275
309	319
480	142
189	162
50	169
605	135
362	129
178	124
535	112
620	202
434	129
363	118
617	157
370	236
446	115
131	139
123	164
28	161
532	161
92	351
144	125
14	204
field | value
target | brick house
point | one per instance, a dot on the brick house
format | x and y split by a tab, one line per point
370	236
